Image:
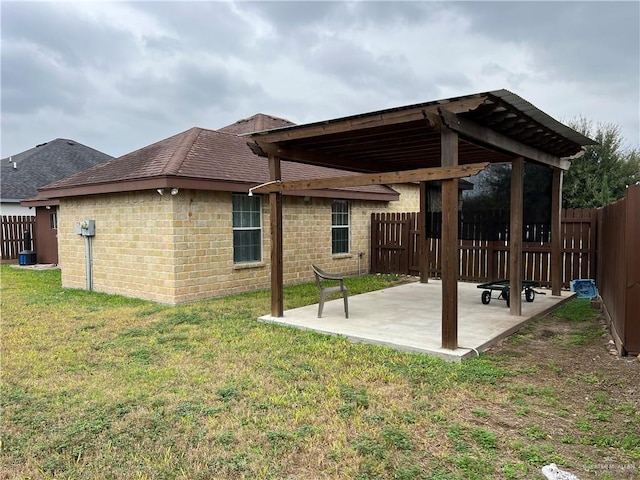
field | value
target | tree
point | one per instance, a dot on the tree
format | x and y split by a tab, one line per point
492	191
602	174
596	179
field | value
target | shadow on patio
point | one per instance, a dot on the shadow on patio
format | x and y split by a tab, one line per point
408	317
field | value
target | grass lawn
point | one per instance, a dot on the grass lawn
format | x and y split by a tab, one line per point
102	386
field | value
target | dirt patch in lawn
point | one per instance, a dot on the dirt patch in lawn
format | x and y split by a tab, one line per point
573	395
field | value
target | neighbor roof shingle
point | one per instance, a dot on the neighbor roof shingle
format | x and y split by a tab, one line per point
44	164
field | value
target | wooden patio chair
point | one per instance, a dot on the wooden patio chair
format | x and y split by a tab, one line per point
323	278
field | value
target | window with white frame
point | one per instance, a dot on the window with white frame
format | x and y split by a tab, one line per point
340	226
247	228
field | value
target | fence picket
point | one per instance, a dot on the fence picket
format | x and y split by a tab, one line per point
395	248
13	228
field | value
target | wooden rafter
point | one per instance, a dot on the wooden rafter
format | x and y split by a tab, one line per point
421	174
301	155
390	117
474	131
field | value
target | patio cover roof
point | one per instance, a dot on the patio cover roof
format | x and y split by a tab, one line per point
493	127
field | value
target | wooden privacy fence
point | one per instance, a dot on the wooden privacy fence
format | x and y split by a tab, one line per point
618	277
395	240
394	243
13	228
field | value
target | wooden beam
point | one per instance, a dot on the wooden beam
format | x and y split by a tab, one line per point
450	255
358	180
313	158
473	131
515	236
422	236
275	216
556	235
371	120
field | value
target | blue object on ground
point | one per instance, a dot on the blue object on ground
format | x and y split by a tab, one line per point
585	288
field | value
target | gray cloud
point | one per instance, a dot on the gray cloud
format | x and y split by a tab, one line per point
33	79
299	16
580	40
198	27
294	16
121	75
354	65
57	30
189	85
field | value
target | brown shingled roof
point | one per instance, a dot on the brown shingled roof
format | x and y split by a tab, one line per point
256	123
202	159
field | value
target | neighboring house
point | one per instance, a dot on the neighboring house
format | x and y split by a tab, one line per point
174	223
22	174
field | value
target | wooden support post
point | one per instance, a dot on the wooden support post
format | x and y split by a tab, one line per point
515	236
424	241
275	215
556	234
450	255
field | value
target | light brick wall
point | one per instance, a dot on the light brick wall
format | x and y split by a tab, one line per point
204	248
132	249
175	249
409	199
361	224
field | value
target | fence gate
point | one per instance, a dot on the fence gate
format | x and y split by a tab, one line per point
394	245
578	232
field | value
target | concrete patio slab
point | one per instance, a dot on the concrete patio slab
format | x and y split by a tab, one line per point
408	317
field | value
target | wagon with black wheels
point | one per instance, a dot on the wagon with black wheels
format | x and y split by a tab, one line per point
503	286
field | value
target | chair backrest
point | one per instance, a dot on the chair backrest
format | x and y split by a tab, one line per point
322	275
319	275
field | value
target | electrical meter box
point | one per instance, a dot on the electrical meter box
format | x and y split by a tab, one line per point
86	228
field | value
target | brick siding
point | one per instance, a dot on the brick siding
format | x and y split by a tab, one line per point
176	249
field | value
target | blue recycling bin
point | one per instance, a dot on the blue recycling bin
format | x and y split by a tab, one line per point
27	257
584	287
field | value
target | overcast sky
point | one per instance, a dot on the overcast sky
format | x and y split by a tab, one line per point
117	76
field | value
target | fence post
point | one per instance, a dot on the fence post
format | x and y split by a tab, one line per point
404	240
593	244
491	261
423	245
375	242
